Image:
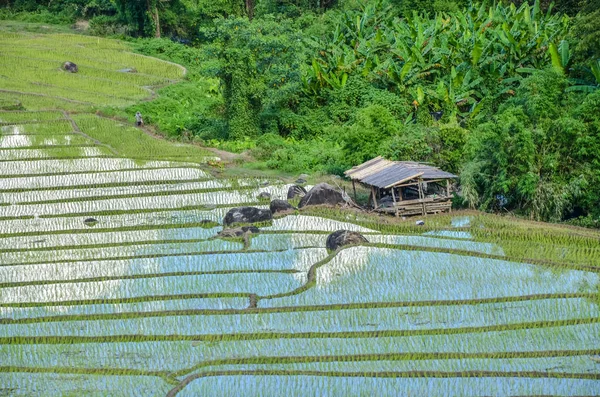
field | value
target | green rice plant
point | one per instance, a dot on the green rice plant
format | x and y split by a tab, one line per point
182	357
35	101
133	143
19	117
53	153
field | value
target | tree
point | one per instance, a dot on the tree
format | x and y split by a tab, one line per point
257	63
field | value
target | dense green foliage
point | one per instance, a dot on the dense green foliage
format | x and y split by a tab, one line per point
501	94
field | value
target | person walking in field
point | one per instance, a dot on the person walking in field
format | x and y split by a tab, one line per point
138	119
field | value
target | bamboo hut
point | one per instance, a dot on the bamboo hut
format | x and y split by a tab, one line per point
404	187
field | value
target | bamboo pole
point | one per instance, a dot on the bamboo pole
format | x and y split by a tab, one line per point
354	188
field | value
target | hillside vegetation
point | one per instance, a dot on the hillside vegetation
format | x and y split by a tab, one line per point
501	93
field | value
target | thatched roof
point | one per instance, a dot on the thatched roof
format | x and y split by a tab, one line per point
384	174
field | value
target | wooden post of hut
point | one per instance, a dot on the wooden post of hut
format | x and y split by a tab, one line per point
422	196
448	192
354	188
374	197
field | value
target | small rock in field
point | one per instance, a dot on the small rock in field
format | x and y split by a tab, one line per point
70	67
127	70
300	181
264	196
420	223
90	222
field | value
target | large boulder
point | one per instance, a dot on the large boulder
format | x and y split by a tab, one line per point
246	215
342	238
296	191
280	206
321	194
238	231
70	67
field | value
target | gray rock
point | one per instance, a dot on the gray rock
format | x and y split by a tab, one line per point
300	181
70	67
322	194
127	70
264	196
246	215
280	206
342	238
238	231
296	191
303	176
420	223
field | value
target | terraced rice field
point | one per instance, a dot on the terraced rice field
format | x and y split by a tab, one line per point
146	301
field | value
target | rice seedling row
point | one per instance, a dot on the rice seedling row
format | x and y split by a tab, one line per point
37	101
136	338
455	384
107	311
126	222
355	320
34	128
106	179
53	153
132	204
570	364
28	382
45	167
184	304
152	249
17	142
183	357
29	117
292	260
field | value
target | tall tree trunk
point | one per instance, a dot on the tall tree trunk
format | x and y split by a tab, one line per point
156	22
250	9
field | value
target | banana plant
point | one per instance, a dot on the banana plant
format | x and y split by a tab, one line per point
590	85
560	56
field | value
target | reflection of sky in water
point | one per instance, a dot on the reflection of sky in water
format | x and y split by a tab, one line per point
461	221
364	386
185	354
177	304
285	241
14	140
367	274
314	223
425	317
